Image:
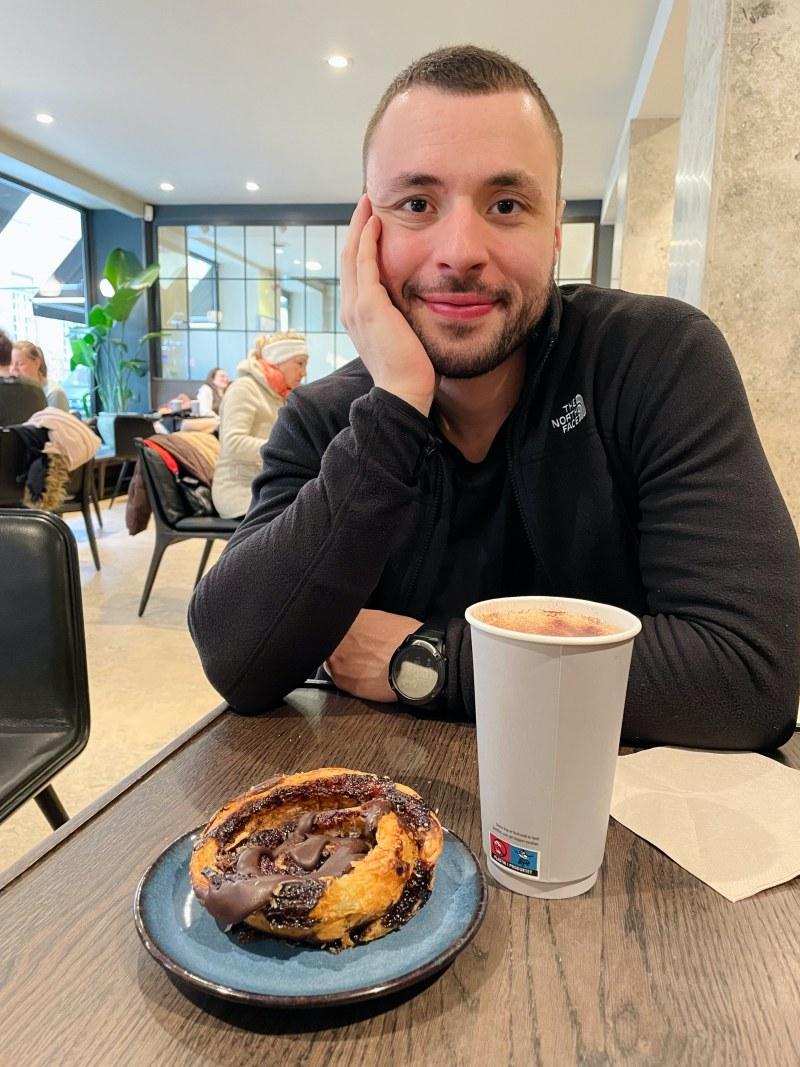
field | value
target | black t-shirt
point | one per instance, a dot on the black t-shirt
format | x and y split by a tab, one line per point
488	553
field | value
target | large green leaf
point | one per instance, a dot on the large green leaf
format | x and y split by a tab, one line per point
152	336
98	316
122	303
145	278
83	355
120	267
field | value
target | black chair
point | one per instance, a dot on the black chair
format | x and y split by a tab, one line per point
19	399
81	488
174	521
82	494
127	430
11	460
44	688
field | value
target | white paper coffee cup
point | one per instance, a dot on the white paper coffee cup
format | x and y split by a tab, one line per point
549	718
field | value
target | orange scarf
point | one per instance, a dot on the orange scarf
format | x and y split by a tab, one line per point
274	378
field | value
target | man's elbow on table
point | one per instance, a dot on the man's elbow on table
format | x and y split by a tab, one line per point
226	659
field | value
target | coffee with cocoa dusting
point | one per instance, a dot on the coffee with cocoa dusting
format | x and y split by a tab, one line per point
547	623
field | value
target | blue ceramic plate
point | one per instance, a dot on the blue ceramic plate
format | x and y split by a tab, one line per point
182	936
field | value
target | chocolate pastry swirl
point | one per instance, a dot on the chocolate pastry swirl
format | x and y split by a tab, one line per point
332	857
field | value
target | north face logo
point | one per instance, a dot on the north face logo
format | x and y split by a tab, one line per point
574	412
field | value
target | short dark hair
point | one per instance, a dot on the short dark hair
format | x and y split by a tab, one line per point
470	71
5	349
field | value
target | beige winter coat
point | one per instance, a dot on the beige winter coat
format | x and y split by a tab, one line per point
248	413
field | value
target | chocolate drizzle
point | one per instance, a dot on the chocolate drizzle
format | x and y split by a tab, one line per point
283	874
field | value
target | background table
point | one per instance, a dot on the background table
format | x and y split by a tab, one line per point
650	967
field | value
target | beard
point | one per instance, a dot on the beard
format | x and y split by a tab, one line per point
457	355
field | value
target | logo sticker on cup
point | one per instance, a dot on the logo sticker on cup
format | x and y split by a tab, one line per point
521	860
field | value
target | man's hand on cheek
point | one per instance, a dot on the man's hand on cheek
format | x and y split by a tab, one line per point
386	343
360	663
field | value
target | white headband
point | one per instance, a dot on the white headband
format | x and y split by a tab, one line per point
277	352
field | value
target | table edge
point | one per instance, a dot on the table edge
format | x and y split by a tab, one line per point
95	807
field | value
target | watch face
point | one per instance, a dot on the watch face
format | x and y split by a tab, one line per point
416	675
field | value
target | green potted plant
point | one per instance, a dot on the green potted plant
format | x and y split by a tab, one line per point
101	345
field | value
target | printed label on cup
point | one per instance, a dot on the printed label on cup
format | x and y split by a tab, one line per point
515	858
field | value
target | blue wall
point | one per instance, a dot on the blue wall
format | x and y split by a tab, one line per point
107	230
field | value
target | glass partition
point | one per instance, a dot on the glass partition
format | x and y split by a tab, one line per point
42	283
222	286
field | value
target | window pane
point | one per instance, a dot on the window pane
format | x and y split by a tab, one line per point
293	300
290	253
202	353
42	289
172	251
338	322
173	303
231	305
175	355
260	254
321	355
320	304
231	350
262	316
577	250
320	251
345	349
341	237
203	305
200	243
230	251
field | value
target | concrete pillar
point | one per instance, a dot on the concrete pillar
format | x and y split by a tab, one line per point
736	237
649	201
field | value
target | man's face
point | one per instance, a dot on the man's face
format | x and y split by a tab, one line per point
465	188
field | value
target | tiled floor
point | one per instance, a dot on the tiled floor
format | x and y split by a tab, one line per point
145	679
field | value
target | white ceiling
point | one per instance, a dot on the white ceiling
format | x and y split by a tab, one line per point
208	95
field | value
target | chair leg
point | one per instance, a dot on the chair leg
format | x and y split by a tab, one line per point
203	561
51	807
95	497
87	518
160	547
118	486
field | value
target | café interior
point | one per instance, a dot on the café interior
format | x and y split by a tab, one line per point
222	143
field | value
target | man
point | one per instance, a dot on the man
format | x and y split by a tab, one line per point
5	354
500	436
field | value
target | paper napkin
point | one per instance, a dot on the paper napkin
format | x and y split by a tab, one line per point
731	819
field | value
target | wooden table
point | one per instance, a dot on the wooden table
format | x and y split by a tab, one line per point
650	967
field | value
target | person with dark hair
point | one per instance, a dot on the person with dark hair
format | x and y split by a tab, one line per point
211	392
19	397
27	361
5	355
501	435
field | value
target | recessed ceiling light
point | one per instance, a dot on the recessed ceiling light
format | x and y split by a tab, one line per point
338	62
313	264
167	187
44	118
251	187
278	250
297	262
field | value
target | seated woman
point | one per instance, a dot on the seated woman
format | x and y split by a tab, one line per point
210	394
275	366
27	361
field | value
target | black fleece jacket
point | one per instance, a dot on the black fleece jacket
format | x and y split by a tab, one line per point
641	482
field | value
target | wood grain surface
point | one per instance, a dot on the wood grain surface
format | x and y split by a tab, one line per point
650	967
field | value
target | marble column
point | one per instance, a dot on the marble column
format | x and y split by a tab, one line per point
736	238
649	201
